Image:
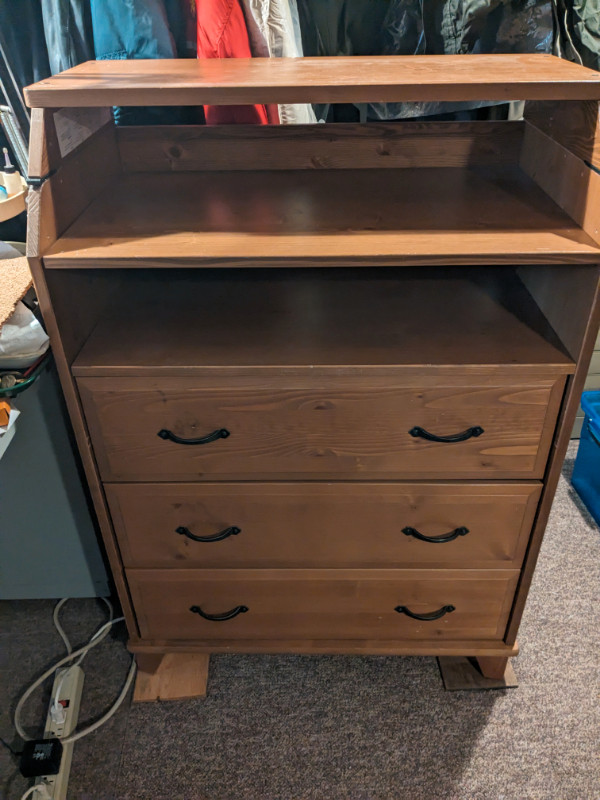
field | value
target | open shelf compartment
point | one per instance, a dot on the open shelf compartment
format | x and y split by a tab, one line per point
184	322
330	195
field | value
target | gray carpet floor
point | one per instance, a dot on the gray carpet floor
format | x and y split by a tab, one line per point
342	728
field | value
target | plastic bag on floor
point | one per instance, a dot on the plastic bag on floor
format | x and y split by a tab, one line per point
22	339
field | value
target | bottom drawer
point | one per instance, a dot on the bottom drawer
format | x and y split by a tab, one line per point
322	604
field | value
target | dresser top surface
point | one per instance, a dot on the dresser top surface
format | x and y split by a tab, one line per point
523	76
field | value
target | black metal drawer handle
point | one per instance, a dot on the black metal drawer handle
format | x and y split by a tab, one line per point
222	433
457	437
220	617
218	537
425	617
447	537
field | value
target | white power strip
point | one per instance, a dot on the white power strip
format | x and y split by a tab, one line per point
69	682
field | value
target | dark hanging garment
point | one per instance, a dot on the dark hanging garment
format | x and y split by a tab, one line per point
417	27
68	31
578	38
458	27
138	29
23	41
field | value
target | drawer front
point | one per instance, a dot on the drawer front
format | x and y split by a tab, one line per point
322	604
357	431
323	525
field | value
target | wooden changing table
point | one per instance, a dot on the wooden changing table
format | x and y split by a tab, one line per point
322	377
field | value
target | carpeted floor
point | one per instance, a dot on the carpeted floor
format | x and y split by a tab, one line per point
343	728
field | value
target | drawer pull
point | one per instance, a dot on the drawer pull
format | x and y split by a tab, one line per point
447	537
219	617
218	537
222	433
425	617
457	437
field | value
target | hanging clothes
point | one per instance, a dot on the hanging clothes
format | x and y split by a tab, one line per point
274	32
222	33
68	31
139	29
458	27
416	27
578	31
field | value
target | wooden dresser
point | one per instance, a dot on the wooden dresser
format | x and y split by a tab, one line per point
322	377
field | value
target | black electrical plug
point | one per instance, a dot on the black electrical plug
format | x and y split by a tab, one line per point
41	757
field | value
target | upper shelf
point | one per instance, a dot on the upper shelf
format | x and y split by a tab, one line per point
486	215
526	76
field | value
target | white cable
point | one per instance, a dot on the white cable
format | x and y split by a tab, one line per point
58	626
69	648
95	640
40	787
60	629
128	681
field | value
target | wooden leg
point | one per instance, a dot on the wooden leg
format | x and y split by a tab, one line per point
176	676
461	673
493	667
149	662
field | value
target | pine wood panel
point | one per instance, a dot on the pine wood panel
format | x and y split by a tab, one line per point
78	179
325	430
572	123
316	80
588	307
557	291
178	676
321	604
565	178
184	148
331	646
323	525
60	349
185	322
65	342
323	217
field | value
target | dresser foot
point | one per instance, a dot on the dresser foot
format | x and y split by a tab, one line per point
170	676
483	672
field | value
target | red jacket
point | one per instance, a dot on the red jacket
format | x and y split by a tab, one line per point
222	33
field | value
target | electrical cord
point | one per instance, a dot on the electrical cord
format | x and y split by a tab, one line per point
57	710
39	787
8	747
81	652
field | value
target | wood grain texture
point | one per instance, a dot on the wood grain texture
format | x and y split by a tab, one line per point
179	676
493	667
589	309
82	437
323	217
305	525
44	152
80	176
76	319
462	674
318	430
239	322
321	604
392	145
557	291
571	123
381	647
565	178
316	80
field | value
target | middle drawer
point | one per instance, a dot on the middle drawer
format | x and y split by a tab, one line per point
337	525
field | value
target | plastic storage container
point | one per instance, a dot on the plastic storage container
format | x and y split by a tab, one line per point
586	475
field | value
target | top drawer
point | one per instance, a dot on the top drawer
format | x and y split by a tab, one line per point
346	428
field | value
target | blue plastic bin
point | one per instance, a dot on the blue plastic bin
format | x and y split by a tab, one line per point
586	474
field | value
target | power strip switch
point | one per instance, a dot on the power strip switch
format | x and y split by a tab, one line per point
61	721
